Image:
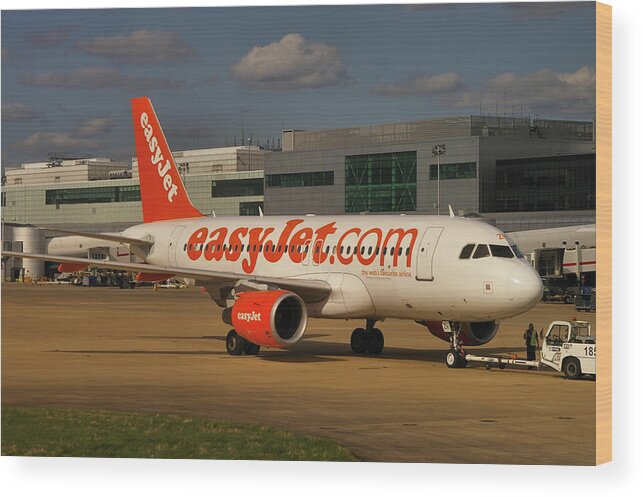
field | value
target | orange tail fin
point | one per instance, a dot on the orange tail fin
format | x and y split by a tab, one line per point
163	194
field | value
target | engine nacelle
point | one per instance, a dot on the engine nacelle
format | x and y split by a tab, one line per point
273	318
476	333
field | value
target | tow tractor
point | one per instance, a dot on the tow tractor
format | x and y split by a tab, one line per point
568	346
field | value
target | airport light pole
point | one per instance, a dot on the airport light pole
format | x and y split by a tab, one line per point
438	151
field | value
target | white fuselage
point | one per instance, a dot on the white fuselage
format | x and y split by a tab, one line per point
406	267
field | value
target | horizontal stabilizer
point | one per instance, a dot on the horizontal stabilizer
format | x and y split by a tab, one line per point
112	237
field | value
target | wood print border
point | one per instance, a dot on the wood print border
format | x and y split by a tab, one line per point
604	232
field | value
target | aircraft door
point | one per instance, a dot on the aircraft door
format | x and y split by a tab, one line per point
173	246
425	253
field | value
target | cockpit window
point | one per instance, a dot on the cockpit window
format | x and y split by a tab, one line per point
501	251
466	251
518	252
481	251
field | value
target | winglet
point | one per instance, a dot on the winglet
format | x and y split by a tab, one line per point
163	194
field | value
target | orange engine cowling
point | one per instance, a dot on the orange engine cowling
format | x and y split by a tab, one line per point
273	318
477	333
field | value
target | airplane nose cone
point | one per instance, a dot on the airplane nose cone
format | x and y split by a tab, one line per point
525	288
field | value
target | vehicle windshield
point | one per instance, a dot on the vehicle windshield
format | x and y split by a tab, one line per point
581	333
481	251
514	247
466	251
501	251
518	252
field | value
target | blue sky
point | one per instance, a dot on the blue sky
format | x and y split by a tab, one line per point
67	75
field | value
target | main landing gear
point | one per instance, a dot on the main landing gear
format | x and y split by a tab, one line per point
367	340
237	345
455	356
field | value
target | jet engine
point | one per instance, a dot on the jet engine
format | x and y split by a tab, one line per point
273	318
476	333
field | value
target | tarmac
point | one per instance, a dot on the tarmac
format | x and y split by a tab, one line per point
164	352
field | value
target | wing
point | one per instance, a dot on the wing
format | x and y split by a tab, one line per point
112	237
308	289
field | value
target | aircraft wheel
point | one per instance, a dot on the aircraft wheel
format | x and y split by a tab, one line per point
572	368
359	341
376	342
234	344
455	360
251	348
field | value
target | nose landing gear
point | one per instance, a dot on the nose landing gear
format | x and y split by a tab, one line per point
367	340
455	358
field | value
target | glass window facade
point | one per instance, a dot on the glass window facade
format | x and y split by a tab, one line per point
250	208
290	180
250	187
381	182
94	195
463	170
558	183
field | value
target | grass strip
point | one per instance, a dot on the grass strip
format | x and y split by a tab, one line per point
87	433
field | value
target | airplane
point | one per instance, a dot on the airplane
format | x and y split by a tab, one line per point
270	274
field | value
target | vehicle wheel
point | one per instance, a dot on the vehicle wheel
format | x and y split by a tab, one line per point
376	341
234	344
359	341
487	367
455	360
572	368
251	348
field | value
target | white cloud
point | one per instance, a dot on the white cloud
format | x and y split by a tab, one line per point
139	47
96	127
292	62
545	91
87	136
96	78
17	111
423	85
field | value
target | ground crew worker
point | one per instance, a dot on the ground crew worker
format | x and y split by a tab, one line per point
531	342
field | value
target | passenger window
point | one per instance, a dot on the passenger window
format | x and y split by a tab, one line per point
481	251
502	251
466	251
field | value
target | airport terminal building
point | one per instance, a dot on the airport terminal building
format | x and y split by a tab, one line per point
525	174
519	173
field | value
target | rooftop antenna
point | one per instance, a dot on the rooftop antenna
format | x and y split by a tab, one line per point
451	214
214	214
260	211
